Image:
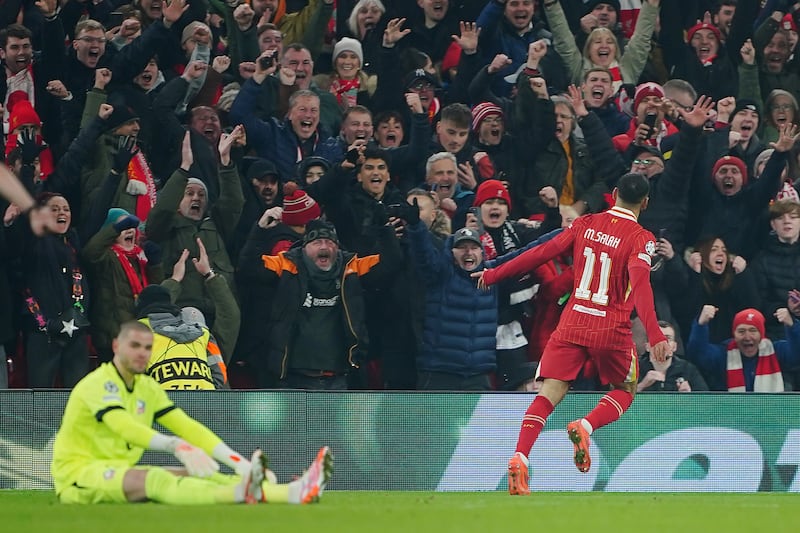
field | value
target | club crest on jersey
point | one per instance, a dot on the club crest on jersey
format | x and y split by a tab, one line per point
650	248
111	387
139	407
109	474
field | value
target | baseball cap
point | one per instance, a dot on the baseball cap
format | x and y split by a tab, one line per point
466	235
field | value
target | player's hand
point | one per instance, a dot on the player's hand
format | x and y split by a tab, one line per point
196	461
481	282
683	385
660	351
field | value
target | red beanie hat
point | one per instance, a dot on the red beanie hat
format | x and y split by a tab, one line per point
788	23
491	189
451	59
730	160
482	111
703	26
752	317
23	113
644	90
298	207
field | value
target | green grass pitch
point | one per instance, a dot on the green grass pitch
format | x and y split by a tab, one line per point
419	512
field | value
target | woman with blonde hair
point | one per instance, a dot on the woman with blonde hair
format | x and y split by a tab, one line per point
602	48
366	15
349	83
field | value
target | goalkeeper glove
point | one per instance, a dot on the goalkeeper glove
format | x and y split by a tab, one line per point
196	461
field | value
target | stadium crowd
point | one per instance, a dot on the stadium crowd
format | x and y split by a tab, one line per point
294	193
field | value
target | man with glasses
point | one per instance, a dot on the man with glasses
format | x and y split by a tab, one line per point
88	52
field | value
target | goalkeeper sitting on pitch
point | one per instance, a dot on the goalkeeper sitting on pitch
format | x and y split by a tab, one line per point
107	425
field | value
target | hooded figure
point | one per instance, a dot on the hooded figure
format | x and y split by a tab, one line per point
185	356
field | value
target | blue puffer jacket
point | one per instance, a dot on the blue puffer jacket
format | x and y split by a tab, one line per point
460	319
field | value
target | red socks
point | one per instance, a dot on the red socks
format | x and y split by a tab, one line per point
532	423
609	408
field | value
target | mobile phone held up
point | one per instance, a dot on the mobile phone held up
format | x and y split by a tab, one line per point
476	211
115	19
650	122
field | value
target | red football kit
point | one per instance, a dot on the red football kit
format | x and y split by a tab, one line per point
612	257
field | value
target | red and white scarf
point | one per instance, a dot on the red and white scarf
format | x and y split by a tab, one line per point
768	370
139	171
346	91
21	82
125	257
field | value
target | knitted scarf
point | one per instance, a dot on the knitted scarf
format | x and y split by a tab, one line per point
507	238
139	171
346	91
125	257
768	371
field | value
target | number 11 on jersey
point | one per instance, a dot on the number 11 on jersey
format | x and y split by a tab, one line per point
583	291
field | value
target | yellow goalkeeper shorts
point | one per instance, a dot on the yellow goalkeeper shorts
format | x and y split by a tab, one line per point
99	482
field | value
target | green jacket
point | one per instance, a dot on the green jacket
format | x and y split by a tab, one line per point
113	301
97	168
306	26
228	318
174	232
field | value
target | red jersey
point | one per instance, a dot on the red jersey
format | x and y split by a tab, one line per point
611	256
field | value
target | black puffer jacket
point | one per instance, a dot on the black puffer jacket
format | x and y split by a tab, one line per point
777	271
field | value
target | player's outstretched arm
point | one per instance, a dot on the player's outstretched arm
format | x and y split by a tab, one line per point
642	294
526	261
196	461
197	434
15	192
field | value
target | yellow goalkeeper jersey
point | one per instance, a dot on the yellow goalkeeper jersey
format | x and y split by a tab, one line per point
83	437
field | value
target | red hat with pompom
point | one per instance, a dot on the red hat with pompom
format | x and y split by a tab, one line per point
298	207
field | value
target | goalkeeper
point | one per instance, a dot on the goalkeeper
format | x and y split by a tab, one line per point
107	425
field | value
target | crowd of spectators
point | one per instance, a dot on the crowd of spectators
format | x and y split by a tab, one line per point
293	193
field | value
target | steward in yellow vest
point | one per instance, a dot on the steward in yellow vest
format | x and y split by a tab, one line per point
185	355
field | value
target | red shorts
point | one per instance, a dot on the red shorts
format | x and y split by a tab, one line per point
563	361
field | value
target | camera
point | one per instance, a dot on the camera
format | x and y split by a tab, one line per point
352	156
266	62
